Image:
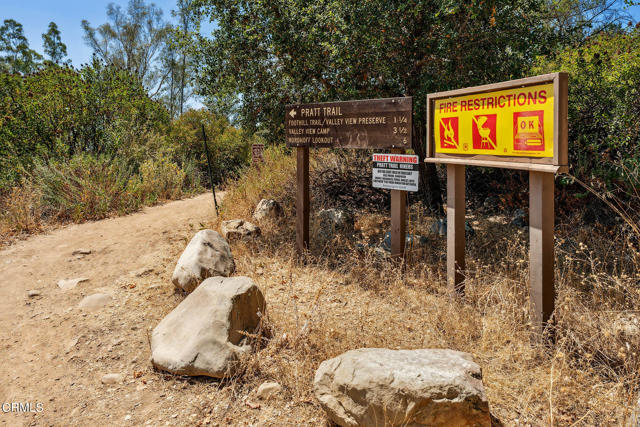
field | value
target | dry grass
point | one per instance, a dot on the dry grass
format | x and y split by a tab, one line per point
20	213
343	299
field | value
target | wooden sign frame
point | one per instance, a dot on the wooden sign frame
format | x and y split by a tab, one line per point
541	193
557	163
398	197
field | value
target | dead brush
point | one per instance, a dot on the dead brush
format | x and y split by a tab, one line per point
20	211
346	296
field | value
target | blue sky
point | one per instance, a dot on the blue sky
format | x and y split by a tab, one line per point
35	16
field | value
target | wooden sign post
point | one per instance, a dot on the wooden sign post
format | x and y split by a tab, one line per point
519	124
365	124
302	199
257	156
398	217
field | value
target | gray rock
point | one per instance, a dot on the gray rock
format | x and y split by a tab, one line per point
95	301
627	327
33	293
203	334
440	228
112	379
411	241
520	218
206	255
333	221
267	209
381	387
66	284
239	229
267	390
141	272
491	202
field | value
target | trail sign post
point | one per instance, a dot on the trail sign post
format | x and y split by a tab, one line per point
257	156
519	124
365	124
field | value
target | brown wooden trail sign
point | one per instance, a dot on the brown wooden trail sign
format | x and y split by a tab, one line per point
519	124
364	124
368	123
257	156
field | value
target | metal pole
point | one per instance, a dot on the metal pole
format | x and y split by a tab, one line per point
206	150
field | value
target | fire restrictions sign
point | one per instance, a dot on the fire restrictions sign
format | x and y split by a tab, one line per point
395	172
513	122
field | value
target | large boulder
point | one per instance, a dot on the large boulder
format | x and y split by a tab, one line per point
267	209
206	255
381	387
239	229
203	335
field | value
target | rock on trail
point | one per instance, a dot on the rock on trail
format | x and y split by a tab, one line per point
203	335
382	387
66	284
206	255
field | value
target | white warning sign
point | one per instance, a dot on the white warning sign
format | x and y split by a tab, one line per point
395	171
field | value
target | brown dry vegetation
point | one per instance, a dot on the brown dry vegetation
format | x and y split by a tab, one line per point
343	298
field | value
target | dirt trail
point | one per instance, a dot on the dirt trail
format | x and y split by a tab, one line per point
54	354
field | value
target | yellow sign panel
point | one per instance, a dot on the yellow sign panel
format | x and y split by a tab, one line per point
512	122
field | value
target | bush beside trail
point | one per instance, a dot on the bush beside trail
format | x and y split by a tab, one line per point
84	144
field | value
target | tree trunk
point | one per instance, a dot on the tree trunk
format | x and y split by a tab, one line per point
171	100
184	65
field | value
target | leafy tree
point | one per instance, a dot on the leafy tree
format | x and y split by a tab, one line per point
132	39
265	54
229	147
573	20
16	57
52	43
59	112
187	22
604	107
176	59
171	66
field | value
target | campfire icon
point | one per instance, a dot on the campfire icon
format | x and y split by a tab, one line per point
449	132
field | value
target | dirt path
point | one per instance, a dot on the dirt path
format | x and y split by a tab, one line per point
54	354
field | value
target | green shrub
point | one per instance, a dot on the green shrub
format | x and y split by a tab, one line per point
161	179
59	112
604	106
85	188
229	147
